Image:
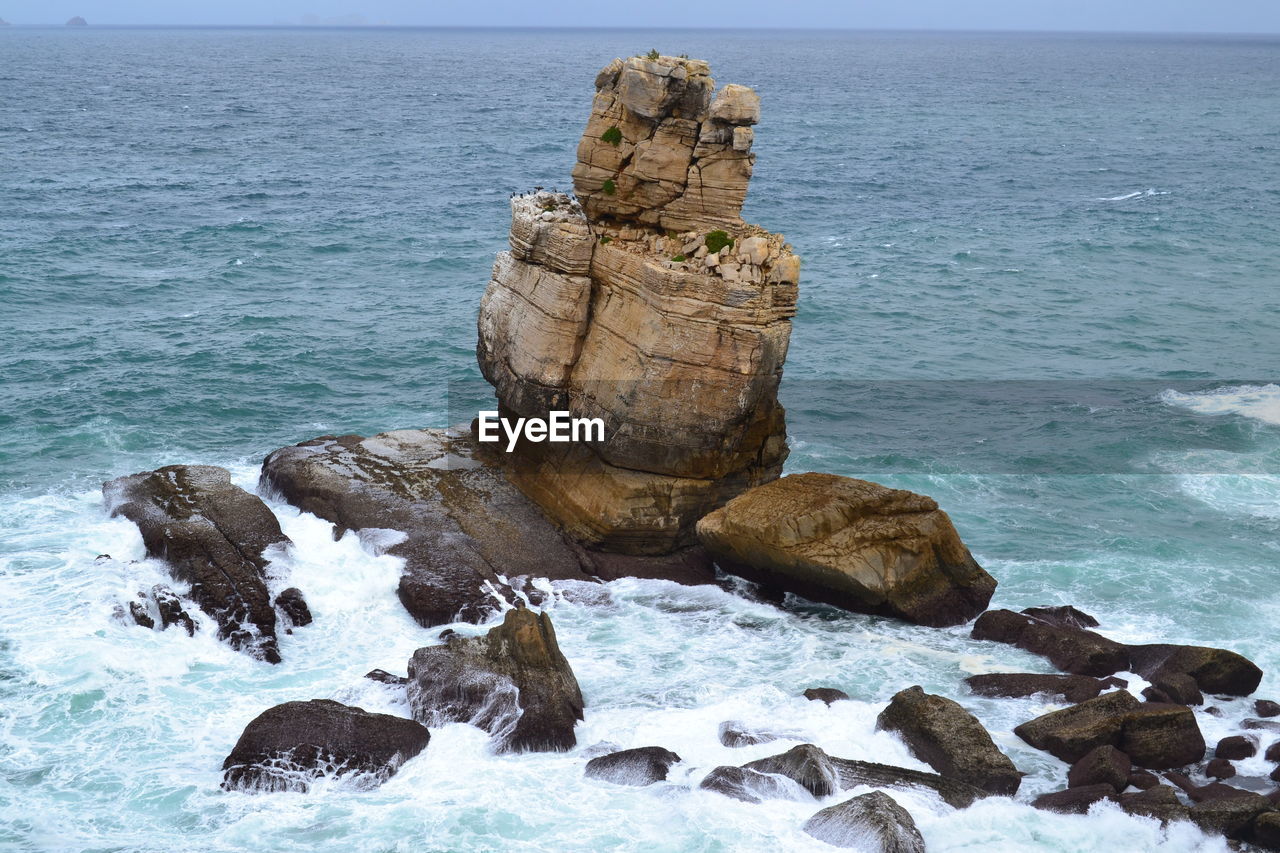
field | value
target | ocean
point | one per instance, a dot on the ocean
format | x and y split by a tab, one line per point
1039	284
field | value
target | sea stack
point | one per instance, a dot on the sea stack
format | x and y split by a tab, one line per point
648	303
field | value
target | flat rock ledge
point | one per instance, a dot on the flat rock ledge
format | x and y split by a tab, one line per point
853	544
286	748
213	535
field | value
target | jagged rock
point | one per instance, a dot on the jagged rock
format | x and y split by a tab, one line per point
1072	688
170	609
736	734
1103	765
1073	732
825	694
294	606
1215	671
1070	649
1159	801
806	765
643	766
955	793
141	615
1220	768
1062	616
942	734
384	677
1175	687
213	536
1236	748
1230	816
1266	708
287	747
850	543
1162	736
463	522
873	823
750	786
589	313
513	682
1074	800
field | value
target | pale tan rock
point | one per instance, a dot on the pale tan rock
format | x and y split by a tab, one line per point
736	105
853	544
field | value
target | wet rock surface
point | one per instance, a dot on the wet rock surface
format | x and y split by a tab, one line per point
513	682
213	535
287	747
1155	736
1014	685
642	766
873	823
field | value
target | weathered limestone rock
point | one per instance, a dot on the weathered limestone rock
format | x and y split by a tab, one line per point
853	544
514	683
642	766
213	536
287	747
616	308
872	823
942	734
463	523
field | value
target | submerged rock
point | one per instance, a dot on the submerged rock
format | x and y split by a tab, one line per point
213	536
1072	688
825	694
942	734
642	766
513	682
1074	800
294	606
161	609
751	786
853	544
873	823
383	677
287	747
954	792
736	734
806	764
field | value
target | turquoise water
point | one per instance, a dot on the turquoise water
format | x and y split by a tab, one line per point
1039	284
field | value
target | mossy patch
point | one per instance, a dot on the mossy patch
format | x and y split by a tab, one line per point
613	136
610	188
717	240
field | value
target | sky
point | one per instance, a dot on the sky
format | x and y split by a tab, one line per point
1206	16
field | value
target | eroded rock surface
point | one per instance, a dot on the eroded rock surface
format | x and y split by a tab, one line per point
214	536
641	766
513	682
851	543
287	747
1152	735
873	823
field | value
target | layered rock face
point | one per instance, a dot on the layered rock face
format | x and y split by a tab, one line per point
853	544
651	306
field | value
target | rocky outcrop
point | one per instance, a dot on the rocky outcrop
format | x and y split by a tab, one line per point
1104	765
825	694
464	526
643	766
942	734
513	682
953	792
1152	735
873	823
853	544
160	609
1015	685
287	747
294	606
615	307
214	536
1069	648
1216	671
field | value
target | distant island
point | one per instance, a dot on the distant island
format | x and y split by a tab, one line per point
77	21
3	22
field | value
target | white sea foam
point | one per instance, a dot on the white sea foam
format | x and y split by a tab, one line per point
1260	402
1148	193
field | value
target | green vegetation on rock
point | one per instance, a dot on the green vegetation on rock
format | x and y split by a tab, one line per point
613	136
610	188
717	240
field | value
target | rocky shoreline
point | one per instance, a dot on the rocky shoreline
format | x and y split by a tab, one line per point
644	300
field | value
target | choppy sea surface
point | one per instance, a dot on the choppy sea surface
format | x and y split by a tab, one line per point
1040	284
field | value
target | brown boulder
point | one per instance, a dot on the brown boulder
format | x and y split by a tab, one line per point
1070	649
1162	736
942	734
1073	732
1236	748
214	536
1074	800
825	694
872	823
852	544
1265	831
513	682
1232	816
1102	765
1220	768
1072	688
1160	802
1266	708
1062	616
1216	671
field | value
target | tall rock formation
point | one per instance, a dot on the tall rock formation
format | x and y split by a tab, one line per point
646	302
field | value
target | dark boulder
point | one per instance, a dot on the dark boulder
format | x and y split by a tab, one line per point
1231	816
170	610
1273	752
512	682
825	694
806	764
955	793
873	823
643	766
942	734
751	786
1074	800
1073	732
1215	671
1266	708
1265	831
294	606
1070	649
213	536
1015	685
287	747
736	734
463	521
1162	736
688	566
1063	616
1220	768
141	613
1104	765
1236	748
384	677
1261	725
1173	687
1143	780
1160	802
